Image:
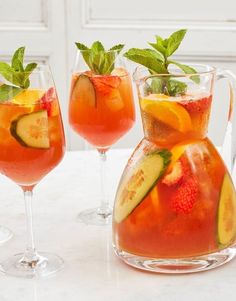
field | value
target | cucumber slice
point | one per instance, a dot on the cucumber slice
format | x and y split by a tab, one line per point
31	130
84	91
138	181
227	213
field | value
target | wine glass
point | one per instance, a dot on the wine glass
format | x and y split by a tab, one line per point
32	145
101	110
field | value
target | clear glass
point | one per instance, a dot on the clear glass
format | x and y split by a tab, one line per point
5	234
175	207
101	110
32	145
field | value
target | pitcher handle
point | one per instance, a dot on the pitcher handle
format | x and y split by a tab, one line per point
229	143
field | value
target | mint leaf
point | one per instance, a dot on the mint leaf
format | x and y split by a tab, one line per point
30	67
117	48
188	70
9	74
8	92
156	60
17	59
81	46
174	41
159	46
145	58
97	47
175	87
157	85
109	61
16	74
99	60
155	54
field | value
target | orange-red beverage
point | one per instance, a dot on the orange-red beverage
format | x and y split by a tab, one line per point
101	106
31	136
186	209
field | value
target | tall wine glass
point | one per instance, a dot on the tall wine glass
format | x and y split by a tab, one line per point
101	110
32	145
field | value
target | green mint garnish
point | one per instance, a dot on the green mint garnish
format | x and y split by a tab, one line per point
157	60
16	74
99	60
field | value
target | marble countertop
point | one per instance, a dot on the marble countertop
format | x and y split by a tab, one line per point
92	271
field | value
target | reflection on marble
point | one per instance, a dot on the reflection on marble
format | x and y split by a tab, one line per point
92	271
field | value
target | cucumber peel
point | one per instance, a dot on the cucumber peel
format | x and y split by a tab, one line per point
31	130
226	224
138	181
84	91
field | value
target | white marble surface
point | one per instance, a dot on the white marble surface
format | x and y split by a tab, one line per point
92	271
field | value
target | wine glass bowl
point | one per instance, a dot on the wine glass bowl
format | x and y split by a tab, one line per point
101	110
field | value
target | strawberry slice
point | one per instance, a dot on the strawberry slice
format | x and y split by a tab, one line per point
185	196
175	175
46	101
198	106
105	84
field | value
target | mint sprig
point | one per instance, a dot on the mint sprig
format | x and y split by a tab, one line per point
157	60
99	60
15	74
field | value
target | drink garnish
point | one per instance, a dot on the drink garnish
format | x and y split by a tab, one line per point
157	60
16	74
84	90
185	195
175	175
31	130
170	113
140	182
99	60
226	223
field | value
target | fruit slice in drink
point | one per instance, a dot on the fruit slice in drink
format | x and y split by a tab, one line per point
169	113
83	90
227	213
31	130
139	182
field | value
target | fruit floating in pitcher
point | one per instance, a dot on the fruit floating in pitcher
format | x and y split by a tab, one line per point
175	198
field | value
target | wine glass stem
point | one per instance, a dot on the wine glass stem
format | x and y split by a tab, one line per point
30	254
104	207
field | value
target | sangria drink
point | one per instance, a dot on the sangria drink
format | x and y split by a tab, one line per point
101	109
175	207
101	106
30	132
32	143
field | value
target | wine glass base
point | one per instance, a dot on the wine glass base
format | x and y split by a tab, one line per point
46	265
180	265
5	234
95	217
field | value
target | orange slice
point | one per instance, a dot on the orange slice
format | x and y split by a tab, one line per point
170	113
28	97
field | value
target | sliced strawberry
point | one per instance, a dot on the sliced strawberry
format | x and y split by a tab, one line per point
185	196
105	84
198	106
46	101
175	175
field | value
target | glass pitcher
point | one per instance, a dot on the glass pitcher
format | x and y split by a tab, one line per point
175	207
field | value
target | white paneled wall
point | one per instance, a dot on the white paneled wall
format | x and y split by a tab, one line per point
49	28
